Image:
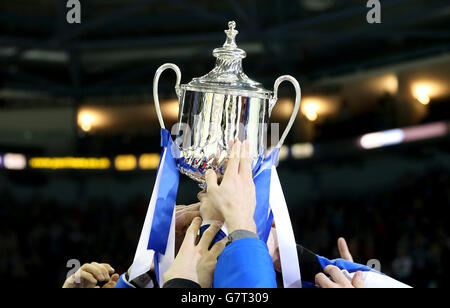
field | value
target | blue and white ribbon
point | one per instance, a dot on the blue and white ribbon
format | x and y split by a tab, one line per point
271	205
261	177
157	240
290	267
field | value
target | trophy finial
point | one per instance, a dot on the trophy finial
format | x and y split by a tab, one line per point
229	50
231	35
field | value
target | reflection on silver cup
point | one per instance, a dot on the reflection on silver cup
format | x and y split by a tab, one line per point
219	107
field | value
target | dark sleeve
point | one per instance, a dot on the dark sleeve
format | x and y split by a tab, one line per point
240	234
181	283
309	264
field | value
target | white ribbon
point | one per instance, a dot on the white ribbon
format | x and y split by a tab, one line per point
287	246
166	260
144	257
290	267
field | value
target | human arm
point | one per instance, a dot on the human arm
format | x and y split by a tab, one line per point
245	261
312	264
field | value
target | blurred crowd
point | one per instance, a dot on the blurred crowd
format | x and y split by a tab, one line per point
404	227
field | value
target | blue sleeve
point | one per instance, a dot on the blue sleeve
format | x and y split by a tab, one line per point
122	283
245	263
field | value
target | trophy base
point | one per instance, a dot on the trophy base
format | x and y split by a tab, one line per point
199	177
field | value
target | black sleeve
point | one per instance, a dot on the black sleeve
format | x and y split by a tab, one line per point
181	283
309	264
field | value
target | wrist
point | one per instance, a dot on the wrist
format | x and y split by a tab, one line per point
240	224
185	276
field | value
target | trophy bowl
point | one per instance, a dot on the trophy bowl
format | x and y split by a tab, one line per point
219	107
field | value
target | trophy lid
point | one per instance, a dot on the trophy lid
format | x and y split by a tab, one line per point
227	77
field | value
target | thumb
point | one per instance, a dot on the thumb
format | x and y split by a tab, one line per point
112	282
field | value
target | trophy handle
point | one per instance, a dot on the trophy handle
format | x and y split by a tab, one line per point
298	96
159	71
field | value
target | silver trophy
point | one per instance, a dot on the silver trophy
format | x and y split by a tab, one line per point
219	107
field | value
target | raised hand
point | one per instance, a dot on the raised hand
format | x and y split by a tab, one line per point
234	198
194	261
338	279
90	274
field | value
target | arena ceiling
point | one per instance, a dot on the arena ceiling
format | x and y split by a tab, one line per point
120	43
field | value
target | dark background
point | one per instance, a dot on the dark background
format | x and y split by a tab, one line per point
390	203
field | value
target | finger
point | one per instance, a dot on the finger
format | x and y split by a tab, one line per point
358	280
201	194
337	276
109	268
323	281
87	278
109	285
192	231
193	207
187	208
188	216
245	164
103	269
73	280
112	282
115	277
209	235
97	272
184	220
211	179
233	161
218	247
182	215
343	250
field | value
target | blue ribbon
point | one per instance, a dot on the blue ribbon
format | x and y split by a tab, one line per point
261	177
219	235
166	197
268	227
156	264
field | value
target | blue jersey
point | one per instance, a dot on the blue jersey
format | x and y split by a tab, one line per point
245	263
